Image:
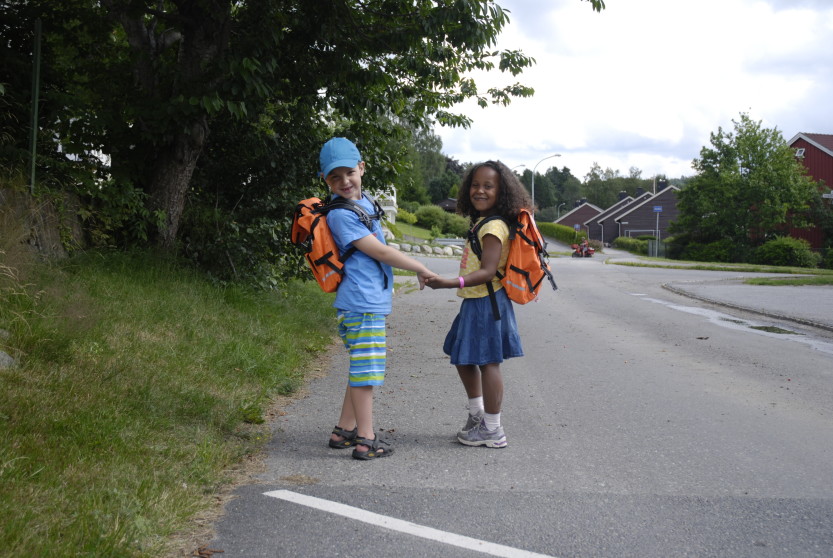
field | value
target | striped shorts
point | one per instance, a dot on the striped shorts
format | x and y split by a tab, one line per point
364	337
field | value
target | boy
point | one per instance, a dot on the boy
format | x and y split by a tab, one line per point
363	299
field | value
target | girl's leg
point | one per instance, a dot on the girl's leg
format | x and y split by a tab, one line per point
492	382
470	376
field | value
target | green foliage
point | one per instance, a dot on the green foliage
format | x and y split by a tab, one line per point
430	216
441	187
723	250
456	225
633	245
116	215
406	216
602	187
749	187
786	251
152	84
409	206
562	233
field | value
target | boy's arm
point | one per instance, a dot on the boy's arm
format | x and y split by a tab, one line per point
371	246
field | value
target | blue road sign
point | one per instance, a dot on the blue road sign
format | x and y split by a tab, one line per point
657	209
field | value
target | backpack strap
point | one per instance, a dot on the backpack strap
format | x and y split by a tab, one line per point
366	219
476	247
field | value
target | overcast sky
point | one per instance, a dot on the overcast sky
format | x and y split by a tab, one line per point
643	83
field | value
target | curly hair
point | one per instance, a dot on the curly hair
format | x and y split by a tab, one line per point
512	196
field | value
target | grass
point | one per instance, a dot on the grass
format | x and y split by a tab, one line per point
413	230
792	281
140	387
819	276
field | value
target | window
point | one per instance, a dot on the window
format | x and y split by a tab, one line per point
799	152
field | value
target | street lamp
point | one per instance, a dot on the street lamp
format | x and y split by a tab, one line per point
517	167
533	175
558	210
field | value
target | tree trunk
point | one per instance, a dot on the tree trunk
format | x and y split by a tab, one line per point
171	176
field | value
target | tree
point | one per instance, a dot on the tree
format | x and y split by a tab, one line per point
748	187
151	83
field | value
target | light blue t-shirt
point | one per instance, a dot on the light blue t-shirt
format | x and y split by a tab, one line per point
363	287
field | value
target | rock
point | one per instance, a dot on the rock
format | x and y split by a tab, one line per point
6	361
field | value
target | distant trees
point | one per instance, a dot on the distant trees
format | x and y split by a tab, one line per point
602	187
749	187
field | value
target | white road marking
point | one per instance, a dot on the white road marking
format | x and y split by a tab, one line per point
404	526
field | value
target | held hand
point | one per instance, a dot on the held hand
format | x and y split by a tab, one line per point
437	282
425	277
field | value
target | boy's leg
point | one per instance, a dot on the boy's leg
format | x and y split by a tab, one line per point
347	419
365	338
362	404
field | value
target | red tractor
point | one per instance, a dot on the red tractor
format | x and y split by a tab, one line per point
583	250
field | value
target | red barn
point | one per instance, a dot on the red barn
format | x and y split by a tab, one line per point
815	151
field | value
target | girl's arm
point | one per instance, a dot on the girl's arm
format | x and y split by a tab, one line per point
371	246
489	260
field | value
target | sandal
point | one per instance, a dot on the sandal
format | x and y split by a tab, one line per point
348	438
378	448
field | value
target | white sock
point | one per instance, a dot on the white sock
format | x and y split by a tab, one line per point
492	421
475	405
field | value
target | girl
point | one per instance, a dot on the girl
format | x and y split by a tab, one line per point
477	342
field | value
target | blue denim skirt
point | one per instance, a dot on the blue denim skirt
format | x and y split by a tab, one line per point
476	338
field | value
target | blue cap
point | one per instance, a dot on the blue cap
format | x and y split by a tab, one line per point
338	152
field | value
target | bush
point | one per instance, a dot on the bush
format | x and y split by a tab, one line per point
562	233
632	245
406	216
430	216
409	206
456	225
787	251
723	250
827	255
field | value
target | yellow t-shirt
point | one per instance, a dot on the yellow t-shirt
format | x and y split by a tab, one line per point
470	262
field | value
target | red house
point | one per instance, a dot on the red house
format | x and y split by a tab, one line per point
815	151
579	215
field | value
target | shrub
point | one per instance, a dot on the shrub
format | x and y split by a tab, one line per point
786	251
633	245
430	216
561	233
724	250
456	225
406	216
827	255
409	206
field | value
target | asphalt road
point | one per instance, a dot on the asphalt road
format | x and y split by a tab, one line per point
640	423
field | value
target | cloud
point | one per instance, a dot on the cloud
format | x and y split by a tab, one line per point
643	83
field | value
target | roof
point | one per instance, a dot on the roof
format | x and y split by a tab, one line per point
621	205
585	205
618	205
822	141
651	200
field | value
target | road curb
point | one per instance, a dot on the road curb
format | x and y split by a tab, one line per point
768	314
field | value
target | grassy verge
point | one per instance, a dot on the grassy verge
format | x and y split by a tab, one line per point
413	230
792	281
139	387
745	268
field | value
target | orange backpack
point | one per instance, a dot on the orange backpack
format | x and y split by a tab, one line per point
526	265
311	232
